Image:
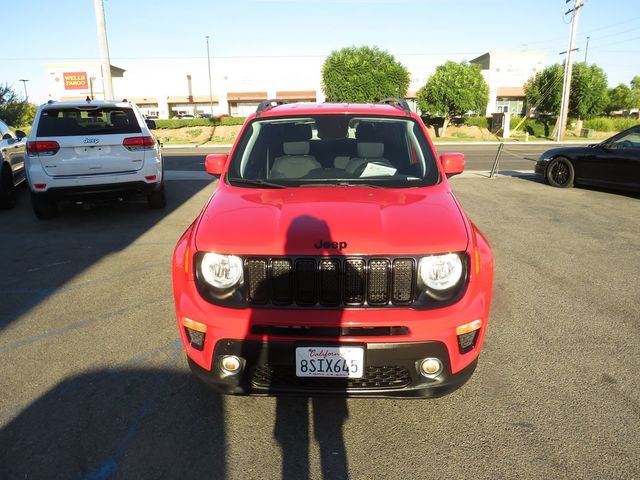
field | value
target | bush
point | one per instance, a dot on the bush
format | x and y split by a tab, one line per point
199	122
620	124
229	121
599	124
481	122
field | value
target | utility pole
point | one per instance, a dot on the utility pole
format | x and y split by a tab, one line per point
586	50
210	88
105	65
24	82
568	66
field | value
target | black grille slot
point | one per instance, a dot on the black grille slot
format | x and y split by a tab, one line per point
354	282
329	281
403	280
257	283
378	288
375	377
305	281
281	280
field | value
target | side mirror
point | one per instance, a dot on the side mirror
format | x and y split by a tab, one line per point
20	134
214	163
452	163
7	136
151	124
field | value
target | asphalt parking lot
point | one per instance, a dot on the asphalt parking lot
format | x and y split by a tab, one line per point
95	386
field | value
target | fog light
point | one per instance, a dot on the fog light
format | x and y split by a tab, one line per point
195	332
430	367
468	335
230	364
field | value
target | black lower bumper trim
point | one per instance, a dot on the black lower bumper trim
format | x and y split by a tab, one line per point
390	371
94	192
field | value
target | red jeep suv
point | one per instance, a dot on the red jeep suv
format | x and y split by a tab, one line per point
334	259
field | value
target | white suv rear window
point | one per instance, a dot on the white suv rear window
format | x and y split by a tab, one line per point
66	122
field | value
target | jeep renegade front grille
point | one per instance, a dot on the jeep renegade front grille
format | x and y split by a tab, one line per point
330	282
375	377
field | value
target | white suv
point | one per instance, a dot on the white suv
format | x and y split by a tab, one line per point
92	150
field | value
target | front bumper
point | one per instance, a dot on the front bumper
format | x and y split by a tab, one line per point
540	168
390	371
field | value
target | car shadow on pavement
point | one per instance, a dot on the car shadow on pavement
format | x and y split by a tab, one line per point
124	423
536	179
39	257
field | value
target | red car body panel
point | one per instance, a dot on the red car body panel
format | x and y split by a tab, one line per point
370	221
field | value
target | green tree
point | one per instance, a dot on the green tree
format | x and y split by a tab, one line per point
544	90
453	90
363	75
589	92
620	98
12	108
589	95
635	92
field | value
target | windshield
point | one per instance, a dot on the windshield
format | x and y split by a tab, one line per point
322	150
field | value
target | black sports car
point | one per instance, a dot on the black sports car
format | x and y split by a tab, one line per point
613	163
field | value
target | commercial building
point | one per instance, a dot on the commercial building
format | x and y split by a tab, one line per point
506	73
165	88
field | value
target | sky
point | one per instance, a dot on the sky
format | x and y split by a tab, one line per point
51	31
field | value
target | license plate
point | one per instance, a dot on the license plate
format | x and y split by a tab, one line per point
337	362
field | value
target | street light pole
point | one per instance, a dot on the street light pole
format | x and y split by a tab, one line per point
24	82
209	67
586	50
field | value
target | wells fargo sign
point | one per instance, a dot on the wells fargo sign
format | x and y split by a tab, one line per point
75	81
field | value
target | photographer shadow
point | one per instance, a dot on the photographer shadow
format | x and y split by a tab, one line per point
296	397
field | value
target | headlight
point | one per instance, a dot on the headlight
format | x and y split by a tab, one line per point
221	271
441	272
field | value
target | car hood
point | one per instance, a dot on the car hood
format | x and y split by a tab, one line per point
567	151
332	221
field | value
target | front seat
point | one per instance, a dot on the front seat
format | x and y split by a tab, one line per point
367	152
296	161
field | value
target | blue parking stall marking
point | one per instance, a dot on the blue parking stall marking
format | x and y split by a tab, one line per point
75	326
111	466
35	297
171	348
40	294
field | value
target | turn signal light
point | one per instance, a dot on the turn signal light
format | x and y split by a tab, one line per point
196	332
467	335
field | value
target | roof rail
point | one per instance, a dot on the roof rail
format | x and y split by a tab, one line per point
267	104
397	102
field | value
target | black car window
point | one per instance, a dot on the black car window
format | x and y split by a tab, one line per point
63	122
630	139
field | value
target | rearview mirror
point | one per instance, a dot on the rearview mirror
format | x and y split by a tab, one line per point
452	163
214	163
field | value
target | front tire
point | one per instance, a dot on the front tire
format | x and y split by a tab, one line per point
7	190
44	209
560	173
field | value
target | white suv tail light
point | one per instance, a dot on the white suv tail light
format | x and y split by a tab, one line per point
139	143
43	147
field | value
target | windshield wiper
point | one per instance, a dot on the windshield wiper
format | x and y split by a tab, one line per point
340	183
256	182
